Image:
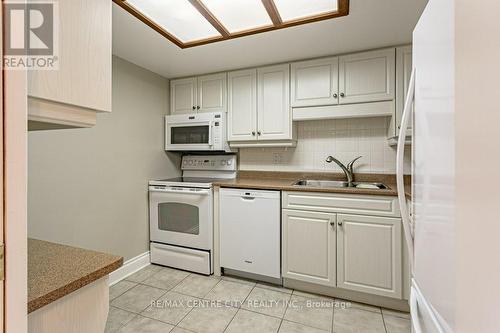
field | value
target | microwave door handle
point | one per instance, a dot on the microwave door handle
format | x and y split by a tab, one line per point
210	128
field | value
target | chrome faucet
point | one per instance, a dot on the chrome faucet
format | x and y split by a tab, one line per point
348	170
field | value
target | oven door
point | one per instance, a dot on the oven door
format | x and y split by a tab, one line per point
189	136
181	216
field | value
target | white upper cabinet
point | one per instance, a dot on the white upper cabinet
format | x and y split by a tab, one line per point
183	95
367	77
212	93
403	73
369	252
273	103
242	105
81	86
259	113
309	247
315	82
198	94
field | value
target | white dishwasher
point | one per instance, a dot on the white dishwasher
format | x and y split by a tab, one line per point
250	231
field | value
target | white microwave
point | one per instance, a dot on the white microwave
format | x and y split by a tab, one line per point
196	132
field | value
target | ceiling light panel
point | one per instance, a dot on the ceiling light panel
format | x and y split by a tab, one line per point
239	15
296	9
178	17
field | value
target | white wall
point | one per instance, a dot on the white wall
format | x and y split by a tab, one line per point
88	187
344	139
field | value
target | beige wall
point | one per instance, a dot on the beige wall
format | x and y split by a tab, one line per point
88	187
477	123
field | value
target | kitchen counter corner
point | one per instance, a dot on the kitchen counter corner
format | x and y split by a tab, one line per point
56	270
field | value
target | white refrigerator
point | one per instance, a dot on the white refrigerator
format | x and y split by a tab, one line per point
430	230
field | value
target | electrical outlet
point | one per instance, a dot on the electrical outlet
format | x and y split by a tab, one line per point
277	158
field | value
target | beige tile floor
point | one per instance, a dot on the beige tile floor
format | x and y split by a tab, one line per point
160	300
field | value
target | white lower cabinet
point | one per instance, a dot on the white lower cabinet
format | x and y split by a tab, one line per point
309	246
349	250
369	254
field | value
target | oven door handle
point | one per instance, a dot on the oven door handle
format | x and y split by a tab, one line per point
169	190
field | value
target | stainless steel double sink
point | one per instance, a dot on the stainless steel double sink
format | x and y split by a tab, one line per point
339	184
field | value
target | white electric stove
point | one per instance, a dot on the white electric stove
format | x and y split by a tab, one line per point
181	213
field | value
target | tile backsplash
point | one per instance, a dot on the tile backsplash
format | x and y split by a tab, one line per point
344	139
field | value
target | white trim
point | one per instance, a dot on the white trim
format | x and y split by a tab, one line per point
263	143
357	110
129	267
393	141
15	190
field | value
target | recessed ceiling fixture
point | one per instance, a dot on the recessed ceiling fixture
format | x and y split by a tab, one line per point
189	23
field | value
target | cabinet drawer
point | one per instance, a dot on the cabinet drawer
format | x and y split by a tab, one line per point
342	203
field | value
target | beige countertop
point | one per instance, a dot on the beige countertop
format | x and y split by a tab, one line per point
284	181
56	270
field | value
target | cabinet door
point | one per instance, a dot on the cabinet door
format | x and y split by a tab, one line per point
274	115
367	77
369	254
84	75
242	105
183	96
309	246
212	93
403	73
315	82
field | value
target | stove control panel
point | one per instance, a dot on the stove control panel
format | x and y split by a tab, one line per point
209	162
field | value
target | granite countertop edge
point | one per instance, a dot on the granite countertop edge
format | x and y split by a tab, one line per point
56	294
88	276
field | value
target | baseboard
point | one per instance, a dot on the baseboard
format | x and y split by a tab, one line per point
130	267
356	296
251	276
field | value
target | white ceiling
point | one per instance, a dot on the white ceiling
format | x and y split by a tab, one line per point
370	24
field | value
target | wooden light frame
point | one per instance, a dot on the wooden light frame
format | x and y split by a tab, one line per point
270	6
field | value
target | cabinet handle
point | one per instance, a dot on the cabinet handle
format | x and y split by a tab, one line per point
253	133
332	222
342	95
259	133
339	223
194	107
335	95
198	107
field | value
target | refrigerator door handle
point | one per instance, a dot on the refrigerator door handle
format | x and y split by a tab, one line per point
400	165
